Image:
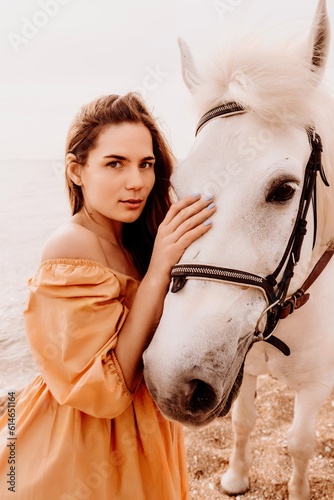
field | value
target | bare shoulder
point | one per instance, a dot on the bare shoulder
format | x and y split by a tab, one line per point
72	241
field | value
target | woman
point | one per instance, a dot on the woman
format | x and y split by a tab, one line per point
87	428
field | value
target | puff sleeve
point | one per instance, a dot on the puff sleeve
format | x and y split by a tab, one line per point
74	312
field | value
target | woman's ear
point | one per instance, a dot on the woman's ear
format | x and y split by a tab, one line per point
73	169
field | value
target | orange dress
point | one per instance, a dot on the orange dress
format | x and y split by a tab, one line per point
80	434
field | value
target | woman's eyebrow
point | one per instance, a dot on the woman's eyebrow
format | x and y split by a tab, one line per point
119	157
147	158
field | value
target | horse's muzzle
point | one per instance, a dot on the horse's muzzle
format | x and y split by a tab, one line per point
194	401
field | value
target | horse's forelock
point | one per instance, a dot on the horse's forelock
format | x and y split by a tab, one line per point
263	75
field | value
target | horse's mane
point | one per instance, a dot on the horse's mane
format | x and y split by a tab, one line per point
274	79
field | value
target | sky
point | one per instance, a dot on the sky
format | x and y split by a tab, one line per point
57	55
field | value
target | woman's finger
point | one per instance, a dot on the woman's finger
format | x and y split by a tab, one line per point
180	205
193	221
184	210
190	236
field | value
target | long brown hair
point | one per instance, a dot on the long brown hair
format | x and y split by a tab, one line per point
138	236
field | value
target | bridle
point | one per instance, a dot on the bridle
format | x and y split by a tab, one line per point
279	306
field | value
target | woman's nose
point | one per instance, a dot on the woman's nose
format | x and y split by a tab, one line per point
134	179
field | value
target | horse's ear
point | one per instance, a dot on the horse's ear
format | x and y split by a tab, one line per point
189	71
320	36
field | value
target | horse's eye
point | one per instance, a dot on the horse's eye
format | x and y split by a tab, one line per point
283	192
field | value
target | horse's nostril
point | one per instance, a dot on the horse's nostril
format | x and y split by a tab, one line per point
202	397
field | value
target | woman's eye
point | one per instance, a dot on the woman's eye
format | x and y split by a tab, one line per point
114	164
147	164
282	193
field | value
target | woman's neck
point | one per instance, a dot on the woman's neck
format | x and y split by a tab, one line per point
107	229
110	237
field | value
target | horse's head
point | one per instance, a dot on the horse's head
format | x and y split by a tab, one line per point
254	164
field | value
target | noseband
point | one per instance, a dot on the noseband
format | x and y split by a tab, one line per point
278	305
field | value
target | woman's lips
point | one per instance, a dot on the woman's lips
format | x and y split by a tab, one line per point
132	203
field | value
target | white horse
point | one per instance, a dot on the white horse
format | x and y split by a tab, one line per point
257	150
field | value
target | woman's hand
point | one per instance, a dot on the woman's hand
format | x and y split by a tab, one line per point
186	220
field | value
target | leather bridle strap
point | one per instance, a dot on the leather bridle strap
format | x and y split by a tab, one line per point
181	272
225	109
314	166
299	298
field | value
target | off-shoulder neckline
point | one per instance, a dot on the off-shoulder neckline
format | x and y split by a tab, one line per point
84	262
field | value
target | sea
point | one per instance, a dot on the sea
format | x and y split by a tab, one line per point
33	203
